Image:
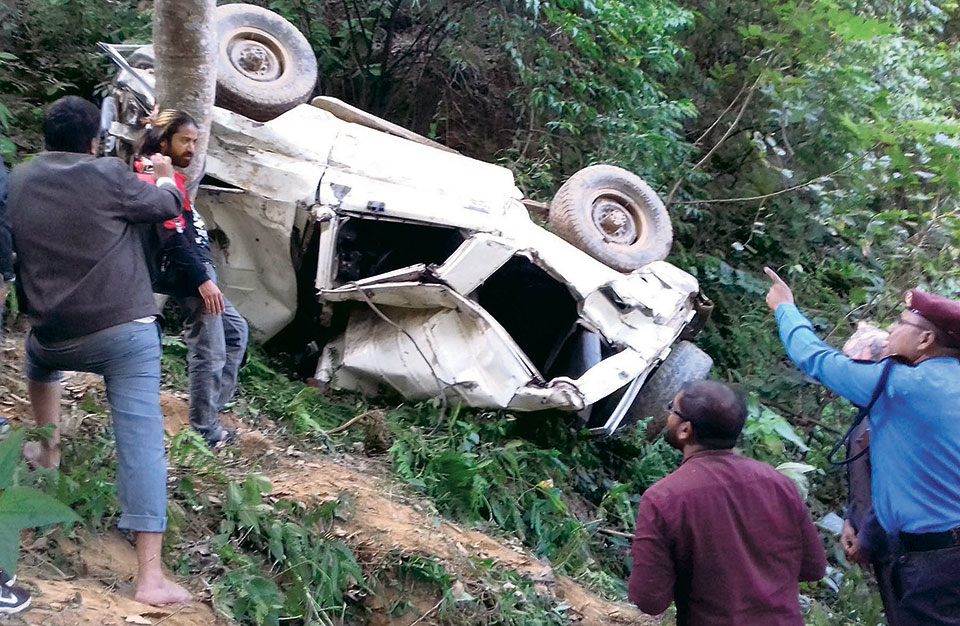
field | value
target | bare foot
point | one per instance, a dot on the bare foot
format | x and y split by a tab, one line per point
161	591
37	455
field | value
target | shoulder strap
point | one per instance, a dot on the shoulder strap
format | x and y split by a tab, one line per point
864	411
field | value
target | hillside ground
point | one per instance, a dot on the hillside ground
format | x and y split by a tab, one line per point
404	562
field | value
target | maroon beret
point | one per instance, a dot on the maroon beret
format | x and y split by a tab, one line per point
943	313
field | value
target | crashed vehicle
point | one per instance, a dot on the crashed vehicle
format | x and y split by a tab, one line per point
412	267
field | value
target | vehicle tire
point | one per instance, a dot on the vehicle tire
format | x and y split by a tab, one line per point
613	216
265	65
686	362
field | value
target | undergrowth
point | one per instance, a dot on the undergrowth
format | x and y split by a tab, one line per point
565	495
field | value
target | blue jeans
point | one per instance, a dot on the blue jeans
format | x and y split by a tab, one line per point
216	345
128	358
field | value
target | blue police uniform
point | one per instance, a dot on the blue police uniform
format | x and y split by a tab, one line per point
914	450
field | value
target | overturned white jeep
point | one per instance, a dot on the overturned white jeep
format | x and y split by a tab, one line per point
410	266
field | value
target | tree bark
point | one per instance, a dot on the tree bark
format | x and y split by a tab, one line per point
185	46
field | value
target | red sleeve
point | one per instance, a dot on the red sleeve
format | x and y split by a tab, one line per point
141	203
813	565
176	223
653	575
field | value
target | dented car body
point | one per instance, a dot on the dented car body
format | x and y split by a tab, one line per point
424	268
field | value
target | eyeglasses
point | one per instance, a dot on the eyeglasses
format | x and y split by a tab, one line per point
673	409
903	322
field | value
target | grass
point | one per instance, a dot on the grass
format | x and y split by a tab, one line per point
534	479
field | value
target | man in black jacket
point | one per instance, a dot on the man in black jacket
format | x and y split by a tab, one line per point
214	331
87	292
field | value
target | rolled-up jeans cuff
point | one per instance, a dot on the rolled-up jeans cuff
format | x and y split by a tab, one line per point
143	523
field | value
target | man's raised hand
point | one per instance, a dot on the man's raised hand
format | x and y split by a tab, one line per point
162	167
779	292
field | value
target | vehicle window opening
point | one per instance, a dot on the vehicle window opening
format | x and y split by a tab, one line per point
368	248
538	311
212	183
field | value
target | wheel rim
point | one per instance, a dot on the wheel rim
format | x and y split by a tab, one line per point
256	55
617	218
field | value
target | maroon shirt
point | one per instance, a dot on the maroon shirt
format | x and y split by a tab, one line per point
728	538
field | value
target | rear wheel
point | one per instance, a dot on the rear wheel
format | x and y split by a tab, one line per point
614	216
685	363
265	66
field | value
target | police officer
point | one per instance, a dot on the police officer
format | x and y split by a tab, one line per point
914	441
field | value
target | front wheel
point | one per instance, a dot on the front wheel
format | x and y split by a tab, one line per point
685	363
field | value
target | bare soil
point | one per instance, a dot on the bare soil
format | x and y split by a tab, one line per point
381	518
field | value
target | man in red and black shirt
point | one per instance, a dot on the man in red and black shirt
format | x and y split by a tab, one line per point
215	333
725	537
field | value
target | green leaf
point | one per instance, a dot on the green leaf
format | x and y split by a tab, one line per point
255	486
858	296
930	128
234	498
6	117
9	549
25	507
854	28
7	149
797	473
10	457
786	431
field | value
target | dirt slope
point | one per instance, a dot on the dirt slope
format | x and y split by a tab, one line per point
103	596
382	519
381	523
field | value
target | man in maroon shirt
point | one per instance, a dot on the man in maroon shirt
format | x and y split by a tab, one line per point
724	536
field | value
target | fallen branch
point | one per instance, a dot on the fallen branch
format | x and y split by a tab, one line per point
424	616
350	422
614	533
175	613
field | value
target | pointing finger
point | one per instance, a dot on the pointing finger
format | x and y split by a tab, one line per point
773	275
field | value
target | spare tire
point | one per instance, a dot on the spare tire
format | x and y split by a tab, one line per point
613	216
265	65
686	362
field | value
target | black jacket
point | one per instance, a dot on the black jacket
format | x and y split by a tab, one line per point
80	258
178	249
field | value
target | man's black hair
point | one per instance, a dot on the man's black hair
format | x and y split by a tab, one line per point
167	125
716	411
70	125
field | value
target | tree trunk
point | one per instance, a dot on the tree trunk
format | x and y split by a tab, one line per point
185	45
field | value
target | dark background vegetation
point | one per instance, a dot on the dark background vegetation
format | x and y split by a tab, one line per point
817	136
